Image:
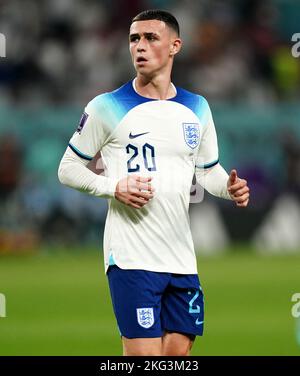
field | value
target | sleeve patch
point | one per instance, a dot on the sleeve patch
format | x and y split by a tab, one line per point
82	122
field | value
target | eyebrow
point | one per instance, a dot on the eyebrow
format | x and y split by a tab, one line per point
134	35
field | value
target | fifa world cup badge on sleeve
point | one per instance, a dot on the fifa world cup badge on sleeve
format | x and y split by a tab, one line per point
83	120
191	134
145	317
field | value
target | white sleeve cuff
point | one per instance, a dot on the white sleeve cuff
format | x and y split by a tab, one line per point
106	186
214	180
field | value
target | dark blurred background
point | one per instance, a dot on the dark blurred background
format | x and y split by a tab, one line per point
62	53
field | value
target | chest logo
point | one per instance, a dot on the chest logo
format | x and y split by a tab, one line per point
191	134
131	136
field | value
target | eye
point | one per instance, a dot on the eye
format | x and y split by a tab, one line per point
134	39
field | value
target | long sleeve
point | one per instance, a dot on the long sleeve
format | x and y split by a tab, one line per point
88	139
209	173
214	180
73	173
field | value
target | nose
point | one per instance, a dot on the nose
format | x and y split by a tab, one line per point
141	45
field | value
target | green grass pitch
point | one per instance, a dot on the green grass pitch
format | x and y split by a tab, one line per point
58	303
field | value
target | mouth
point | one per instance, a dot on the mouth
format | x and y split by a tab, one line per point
141	59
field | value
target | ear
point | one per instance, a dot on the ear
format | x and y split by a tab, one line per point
175	46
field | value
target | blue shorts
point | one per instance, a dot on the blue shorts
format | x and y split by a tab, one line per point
148	304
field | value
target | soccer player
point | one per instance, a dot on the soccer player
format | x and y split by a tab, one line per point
153	138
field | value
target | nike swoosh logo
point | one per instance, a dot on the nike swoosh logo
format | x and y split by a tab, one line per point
198	322
131	136
193	193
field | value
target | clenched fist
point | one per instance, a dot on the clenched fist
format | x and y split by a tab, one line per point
135	191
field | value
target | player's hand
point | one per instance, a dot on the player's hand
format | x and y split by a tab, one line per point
238	189
135	191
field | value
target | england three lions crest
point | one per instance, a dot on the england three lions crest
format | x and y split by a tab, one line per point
145	317
191	134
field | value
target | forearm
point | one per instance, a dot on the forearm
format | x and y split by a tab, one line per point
73	173
214	180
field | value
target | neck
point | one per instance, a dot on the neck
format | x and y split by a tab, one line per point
155	88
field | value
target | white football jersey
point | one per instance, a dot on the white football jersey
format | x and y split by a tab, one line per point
165	139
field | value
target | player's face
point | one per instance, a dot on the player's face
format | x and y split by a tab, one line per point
152	46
